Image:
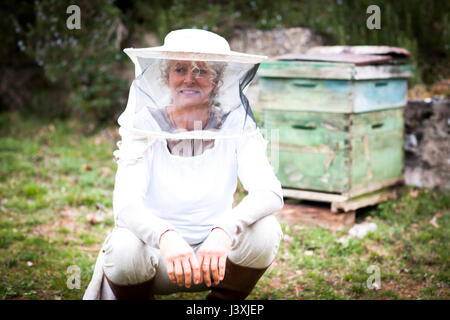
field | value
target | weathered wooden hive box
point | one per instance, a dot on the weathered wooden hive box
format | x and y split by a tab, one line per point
339	120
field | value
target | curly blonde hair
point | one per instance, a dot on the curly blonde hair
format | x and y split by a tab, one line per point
216	70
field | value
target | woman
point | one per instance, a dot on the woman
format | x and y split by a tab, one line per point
186	139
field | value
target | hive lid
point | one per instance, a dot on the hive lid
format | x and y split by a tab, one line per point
341	63
355	59
370	50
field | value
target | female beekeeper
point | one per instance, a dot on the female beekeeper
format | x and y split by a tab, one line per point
188	134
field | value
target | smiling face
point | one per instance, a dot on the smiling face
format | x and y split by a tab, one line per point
191	83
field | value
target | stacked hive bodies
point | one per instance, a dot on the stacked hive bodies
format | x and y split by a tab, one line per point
339	120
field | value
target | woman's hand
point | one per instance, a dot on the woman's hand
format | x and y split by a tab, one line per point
180	259
213	255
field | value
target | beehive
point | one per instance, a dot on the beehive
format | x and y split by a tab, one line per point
339	123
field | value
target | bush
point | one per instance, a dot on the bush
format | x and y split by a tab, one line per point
46	67
82	62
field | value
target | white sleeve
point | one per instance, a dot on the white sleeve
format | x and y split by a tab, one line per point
257	176
128	202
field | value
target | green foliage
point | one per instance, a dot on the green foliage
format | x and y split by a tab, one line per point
406	24
44	228
82	61
48	69
38	240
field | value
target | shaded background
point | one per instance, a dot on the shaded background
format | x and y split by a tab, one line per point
57	72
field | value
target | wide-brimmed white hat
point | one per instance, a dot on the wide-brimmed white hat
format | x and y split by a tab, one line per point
194	44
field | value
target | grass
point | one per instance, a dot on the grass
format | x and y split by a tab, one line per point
54	177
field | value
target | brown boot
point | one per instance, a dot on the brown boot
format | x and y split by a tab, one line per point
140	291
237	284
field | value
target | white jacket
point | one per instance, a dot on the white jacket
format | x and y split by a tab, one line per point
192	195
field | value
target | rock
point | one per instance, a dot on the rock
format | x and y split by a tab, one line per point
358	231
411	143
362	229
275	42
272	43
427	147
309	253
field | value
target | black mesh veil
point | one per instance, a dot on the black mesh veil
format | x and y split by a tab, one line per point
181	98
152	99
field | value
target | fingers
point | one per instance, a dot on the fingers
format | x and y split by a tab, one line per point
181	262
181	271
195	269
213	254
187	272
222	264
214	269
183	267
170	271
178	272
212	266
205	270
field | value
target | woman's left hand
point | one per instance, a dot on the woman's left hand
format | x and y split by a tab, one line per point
213	255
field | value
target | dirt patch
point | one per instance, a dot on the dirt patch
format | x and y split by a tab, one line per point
288	277
315	214
66	219
68	227
405	286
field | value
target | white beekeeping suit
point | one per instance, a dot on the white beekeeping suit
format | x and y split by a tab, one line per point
188	134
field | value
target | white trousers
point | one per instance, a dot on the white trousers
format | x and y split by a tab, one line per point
127	260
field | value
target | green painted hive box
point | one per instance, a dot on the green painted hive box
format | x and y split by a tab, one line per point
338	119
335	152
348	84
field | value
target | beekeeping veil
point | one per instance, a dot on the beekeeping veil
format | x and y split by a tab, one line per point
193	70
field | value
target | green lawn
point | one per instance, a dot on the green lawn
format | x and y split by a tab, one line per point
55	178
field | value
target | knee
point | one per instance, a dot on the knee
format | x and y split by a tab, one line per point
127	260
258	246
265	236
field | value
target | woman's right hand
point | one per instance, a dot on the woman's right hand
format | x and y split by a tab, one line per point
180	259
